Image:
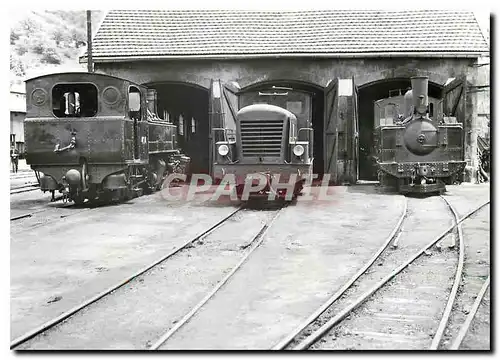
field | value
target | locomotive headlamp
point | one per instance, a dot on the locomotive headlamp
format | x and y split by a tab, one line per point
298	150
223	150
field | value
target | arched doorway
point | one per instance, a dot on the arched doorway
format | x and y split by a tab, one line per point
317	106
186	105
367	95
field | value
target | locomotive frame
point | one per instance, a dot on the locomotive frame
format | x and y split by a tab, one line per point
97	137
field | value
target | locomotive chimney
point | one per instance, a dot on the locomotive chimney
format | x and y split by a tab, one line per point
419	86
152	100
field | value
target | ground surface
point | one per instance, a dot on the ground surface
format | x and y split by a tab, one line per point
63	255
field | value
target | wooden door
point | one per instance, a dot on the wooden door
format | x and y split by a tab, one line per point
222	114
330	129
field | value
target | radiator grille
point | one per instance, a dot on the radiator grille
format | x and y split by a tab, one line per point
261	137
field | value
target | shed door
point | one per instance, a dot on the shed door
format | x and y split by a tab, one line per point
454	99
454	108
330	133
355	135
223	109
342	131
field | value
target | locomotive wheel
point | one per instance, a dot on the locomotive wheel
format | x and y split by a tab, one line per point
78	199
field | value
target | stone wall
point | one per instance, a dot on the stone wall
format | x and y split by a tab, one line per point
314	71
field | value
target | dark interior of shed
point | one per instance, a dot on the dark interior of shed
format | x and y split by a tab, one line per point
317	106
367	95
187	107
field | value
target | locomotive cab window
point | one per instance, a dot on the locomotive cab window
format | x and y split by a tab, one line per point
74	100
134	103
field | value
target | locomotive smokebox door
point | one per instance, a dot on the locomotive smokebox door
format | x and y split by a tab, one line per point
421	137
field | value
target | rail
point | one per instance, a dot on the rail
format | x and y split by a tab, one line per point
59	319
317	334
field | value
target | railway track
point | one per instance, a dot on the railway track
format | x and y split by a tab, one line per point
456	282
318	327
19	341
393	236
470	286
52	216
327	324
24	188
467	324
255	243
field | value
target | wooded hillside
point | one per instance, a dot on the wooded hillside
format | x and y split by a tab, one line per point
49	40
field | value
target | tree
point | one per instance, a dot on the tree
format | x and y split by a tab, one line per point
50	56
14	36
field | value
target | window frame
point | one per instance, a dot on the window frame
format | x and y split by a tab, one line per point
141	102
180	125
97	109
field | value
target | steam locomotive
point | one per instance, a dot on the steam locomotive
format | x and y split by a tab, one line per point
419	151
97	137
272	137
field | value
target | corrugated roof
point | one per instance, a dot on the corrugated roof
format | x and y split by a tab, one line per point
150	33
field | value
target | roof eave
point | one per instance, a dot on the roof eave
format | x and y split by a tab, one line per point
444	54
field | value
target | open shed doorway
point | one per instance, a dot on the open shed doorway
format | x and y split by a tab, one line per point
317	107
186	106
367	95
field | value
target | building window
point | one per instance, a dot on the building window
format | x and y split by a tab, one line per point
74	100
431	109
193	125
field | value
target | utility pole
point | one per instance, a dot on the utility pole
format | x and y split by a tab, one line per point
90	65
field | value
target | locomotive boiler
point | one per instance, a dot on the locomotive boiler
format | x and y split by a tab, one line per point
97	137
414	152
269	140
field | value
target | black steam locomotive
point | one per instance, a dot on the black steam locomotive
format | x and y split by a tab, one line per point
418	152
97	137
272	137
